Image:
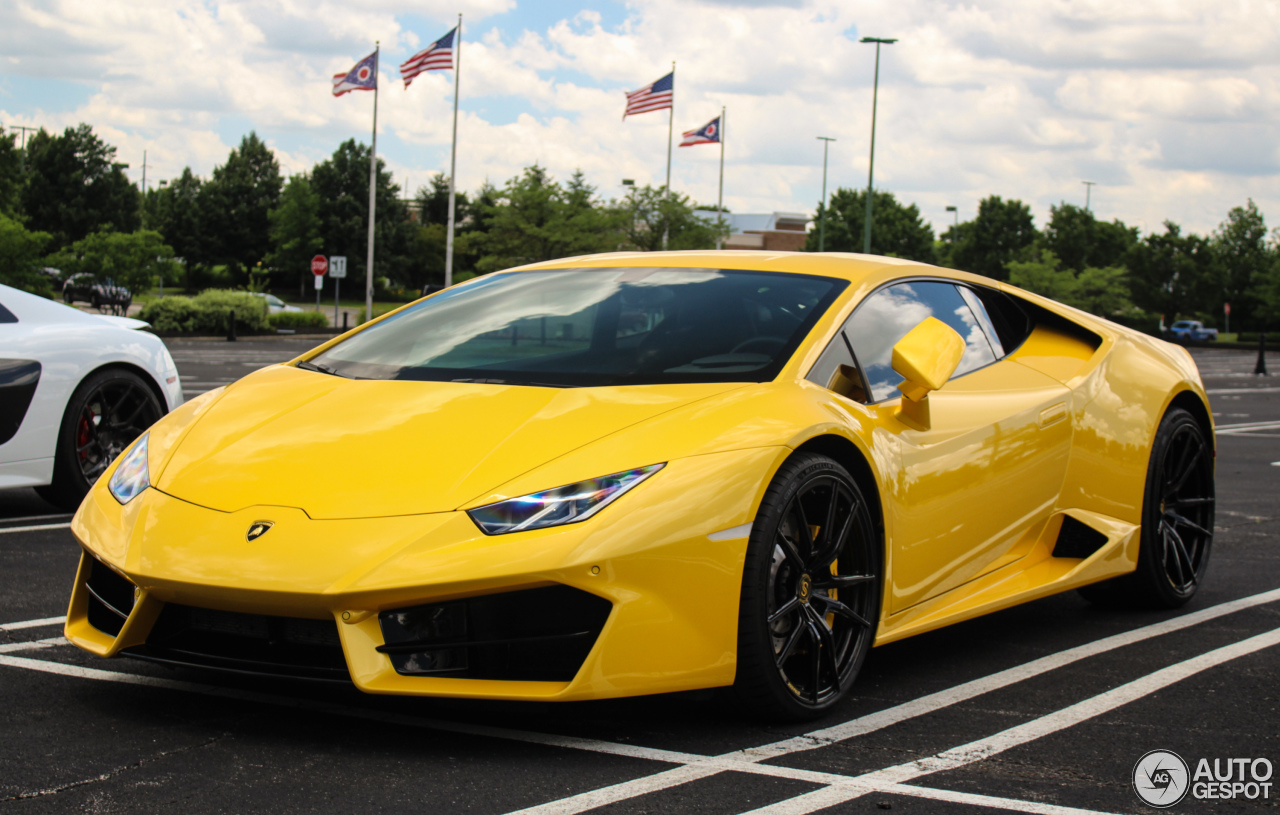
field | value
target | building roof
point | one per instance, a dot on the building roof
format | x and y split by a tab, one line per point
740	222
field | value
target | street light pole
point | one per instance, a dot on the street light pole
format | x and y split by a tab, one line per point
955	226
871	166
822	219
1088	189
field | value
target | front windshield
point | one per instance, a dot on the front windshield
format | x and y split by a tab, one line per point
593	327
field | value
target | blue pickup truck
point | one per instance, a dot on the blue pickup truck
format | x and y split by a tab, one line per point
1191	330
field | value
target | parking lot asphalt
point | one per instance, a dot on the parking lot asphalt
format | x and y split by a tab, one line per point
1042	708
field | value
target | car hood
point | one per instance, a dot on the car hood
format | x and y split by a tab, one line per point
342	448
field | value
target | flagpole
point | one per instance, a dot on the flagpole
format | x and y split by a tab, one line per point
720	198
373	186
453	156
671	118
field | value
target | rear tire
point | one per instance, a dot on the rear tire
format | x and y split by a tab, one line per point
810	592
105	413
1177	521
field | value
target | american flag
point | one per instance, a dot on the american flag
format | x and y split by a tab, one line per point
656	96
436	57
709	133
363	77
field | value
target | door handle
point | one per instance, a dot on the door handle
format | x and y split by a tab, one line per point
1053	414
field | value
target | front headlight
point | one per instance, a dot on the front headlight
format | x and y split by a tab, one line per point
562	505
132	476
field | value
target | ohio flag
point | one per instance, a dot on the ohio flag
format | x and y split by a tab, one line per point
363	77
709	133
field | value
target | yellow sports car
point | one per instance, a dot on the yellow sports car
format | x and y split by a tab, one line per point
638	473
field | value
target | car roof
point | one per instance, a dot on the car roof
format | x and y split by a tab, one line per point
856	268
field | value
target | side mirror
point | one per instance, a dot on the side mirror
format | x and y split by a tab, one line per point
927	357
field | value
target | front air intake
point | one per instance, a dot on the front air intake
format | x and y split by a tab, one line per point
111	598
541	634
245	643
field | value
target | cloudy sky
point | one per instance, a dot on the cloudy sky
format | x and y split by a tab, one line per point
1171	106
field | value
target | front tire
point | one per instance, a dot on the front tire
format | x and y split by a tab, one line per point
105	413
810	591
1177	521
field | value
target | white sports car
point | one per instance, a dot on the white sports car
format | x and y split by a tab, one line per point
75	390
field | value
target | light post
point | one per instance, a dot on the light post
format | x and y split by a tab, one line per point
955	226
871	166
1088	189
822	219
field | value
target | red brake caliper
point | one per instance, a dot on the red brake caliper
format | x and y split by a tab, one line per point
85	432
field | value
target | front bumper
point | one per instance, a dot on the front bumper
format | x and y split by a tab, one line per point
672	591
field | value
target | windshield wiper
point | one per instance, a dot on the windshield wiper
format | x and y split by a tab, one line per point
324	369
521	383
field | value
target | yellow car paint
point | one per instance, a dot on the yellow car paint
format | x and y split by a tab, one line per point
369	513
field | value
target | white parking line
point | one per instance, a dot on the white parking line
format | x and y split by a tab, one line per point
695	766
916	707
1030	731
34	528
35	517
33	645
32	623
692	762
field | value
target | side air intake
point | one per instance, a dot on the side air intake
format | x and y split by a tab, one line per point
1077	540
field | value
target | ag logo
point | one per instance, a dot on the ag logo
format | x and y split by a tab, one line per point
1161	778
257	529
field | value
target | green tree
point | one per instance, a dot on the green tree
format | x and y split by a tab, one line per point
342	184
1080	240
1002	232
21	257
534	218
75	185
1247	259
179	217
295	232
237	202
1044	276
1103	291
647	212
10	175
1173	274
896	230
132	259
433	202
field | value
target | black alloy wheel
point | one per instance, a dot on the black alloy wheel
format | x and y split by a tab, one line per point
810	591
1177	520
107	411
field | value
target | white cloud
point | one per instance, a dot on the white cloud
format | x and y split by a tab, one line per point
1170	105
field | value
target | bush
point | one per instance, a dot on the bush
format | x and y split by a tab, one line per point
1273	337
173	315
1138	321
206	313
298	319
378	311
214	304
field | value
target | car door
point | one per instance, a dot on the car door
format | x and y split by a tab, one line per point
965	494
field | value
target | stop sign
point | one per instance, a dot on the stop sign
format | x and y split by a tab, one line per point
319	265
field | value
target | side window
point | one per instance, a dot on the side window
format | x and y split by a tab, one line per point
885	317
1007	319
984	320
7	316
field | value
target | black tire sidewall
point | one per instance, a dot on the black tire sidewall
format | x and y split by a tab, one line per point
1150	581
758	681
69	485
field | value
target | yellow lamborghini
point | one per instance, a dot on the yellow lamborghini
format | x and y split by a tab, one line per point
638	473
